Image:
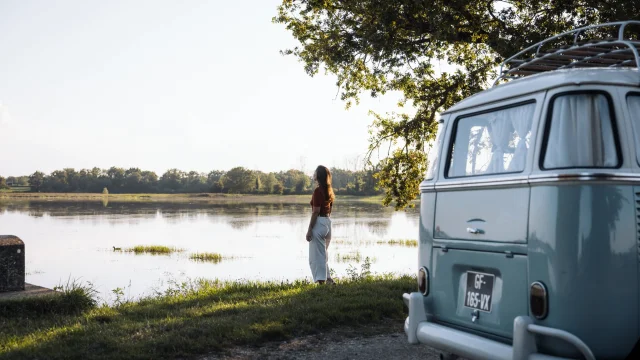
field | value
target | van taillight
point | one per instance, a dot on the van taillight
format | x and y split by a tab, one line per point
538	300
423	281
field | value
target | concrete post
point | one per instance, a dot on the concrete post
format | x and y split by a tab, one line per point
12	269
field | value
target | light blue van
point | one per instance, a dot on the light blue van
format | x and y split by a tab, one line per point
529	237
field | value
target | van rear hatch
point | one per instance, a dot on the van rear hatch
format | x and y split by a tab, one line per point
479	264
480	290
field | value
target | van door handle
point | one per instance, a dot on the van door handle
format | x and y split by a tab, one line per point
475	231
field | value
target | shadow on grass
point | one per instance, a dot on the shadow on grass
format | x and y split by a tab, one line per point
74	302
206	318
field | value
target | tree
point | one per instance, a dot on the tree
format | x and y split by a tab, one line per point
278	188
340	178
258	186
84	180
214	181
22	181
382	46
294	180
239	180
132	181
172	180
56	182
217	187
269	182
370	183
196	182
149	181
3	183
117	177
36	180
302	184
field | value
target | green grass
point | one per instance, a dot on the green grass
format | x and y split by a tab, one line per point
205	317
208	257
153	249
401	242
16	189
70	298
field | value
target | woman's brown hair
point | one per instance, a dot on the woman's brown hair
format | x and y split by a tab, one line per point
323	175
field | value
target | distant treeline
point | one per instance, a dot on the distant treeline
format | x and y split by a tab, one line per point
238	180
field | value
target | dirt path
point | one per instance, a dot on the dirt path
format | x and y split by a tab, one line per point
338	345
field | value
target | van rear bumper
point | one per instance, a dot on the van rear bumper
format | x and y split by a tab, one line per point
474	347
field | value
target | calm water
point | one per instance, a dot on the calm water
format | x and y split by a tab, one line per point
74	240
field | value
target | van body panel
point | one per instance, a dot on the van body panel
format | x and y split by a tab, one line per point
583	247
427	207
425	248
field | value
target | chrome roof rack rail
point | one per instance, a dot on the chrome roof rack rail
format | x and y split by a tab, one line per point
608	52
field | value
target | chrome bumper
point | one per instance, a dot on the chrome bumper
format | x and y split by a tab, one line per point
474	347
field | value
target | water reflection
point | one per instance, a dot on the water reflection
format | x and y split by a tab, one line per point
264	241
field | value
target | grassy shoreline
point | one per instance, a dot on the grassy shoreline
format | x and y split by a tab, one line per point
184	198
198	318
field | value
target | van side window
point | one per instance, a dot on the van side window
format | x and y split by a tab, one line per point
492	142
434	152
633	102
580	133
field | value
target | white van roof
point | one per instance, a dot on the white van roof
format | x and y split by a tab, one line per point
548	80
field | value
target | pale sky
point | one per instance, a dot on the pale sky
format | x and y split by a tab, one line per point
195	85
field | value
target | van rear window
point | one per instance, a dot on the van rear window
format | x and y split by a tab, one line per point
580	133
434	154
492	142
633	102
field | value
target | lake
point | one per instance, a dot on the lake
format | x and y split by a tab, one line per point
75	240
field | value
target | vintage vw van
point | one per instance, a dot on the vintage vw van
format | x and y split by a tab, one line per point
529	214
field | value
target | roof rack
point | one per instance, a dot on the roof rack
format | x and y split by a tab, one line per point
604	52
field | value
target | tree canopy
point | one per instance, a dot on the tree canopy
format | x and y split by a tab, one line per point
379	46
238	180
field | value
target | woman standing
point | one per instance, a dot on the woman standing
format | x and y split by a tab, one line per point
319	234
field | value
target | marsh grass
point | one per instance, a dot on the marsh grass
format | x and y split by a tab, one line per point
352	257
348	242
342	242
391	242
401	242
202	317
209	257
153	249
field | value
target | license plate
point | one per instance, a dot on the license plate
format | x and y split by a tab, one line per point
479	291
